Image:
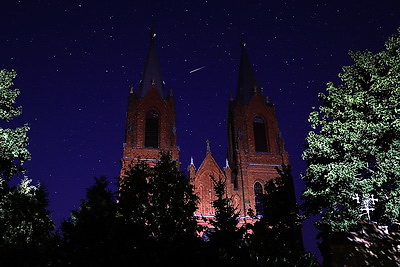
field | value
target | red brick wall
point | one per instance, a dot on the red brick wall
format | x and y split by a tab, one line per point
251	166
203	184
134	148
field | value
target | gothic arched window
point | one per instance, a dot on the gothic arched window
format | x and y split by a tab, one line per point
151	130
260	135
259	201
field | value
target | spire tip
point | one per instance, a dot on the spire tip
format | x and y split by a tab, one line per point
242	42
208	146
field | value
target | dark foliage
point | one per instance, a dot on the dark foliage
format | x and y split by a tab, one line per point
152	224
90	235
226	238
172	203
157	206
276	239
25	226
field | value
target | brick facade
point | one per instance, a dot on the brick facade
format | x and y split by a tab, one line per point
255	147
134	146
245	167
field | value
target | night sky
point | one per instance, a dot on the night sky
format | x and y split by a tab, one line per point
76	60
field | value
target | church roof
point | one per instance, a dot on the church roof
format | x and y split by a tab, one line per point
247	81
152	73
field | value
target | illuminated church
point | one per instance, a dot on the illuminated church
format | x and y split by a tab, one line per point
255	146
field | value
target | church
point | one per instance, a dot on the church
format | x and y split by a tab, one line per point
255	145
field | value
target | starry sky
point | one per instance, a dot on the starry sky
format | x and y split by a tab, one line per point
76	60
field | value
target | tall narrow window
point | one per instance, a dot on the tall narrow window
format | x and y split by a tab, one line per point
260	136
151	130
259	201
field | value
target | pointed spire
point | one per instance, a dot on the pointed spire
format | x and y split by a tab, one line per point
152	73
191	161
208	147
247	82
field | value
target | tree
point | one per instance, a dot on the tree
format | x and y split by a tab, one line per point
134	194
25	225
133	212
226	238
353	150
354	147
13	142
173	202
90	235
280	203
226	215
276	239
160	203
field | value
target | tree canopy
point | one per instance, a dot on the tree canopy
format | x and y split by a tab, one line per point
157	206
13	142
353	150
25	224
91	234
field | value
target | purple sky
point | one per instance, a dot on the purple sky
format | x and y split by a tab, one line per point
76	60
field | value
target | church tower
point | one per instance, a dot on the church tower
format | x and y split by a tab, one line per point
255	146
255	149
150	119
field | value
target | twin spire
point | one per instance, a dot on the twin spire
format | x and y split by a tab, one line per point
246	87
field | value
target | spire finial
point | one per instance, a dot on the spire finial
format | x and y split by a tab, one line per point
151	76
226	164
208	146
247	83
191	161
152	33
242	42
131	89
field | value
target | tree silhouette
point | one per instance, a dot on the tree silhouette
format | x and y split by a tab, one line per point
25	225
276	238
91	234
159	203
226	238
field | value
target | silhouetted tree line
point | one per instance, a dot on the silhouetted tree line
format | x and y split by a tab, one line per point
148	222
152	224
